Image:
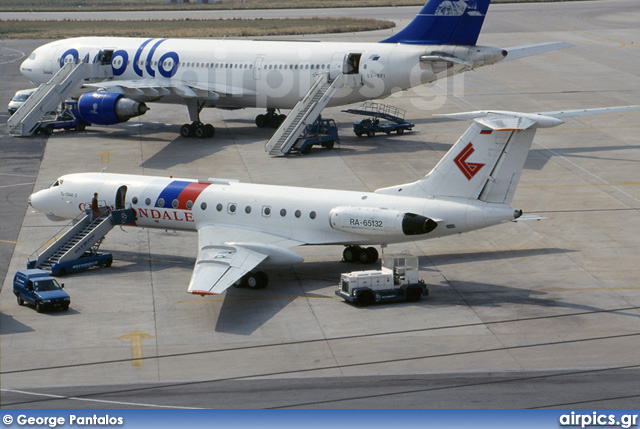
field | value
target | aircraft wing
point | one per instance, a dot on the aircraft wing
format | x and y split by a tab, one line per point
163	87
227	253
517	52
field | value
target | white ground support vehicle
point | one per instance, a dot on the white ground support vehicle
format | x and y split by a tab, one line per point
398	280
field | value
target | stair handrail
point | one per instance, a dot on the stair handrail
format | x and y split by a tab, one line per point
104	210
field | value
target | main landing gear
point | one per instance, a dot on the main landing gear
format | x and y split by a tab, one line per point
360	254
196	128
257	280
270	119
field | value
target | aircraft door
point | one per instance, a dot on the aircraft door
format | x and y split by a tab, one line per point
257	67
351	64
120	197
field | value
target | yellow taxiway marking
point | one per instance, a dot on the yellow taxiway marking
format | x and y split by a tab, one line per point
136	345
9	241
105	157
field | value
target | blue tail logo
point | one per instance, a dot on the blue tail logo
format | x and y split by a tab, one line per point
444	22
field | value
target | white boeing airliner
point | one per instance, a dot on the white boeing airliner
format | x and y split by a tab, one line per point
241	226
234	74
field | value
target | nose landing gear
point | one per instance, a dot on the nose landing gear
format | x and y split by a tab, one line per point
270	119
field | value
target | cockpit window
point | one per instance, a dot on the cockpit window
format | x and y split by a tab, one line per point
32	56
57	183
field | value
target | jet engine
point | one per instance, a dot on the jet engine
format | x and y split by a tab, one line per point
379	221
108	108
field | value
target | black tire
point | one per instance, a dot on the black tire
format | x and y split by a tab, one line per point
365	299
81	126
274	121
200	131
263	279
351	253
306	150
413	294
371	133
186	131
109	263
210	129
373	255
329	145
358	133
48	130
364	257
400	131
39	307
65	307
261	121
20	300
282	118
251	281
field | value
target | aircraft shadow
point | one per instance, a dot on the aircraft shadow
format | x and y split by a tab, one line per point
183	151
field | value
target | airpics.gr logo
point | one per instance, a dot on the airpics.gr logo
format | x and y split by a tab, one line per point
469	169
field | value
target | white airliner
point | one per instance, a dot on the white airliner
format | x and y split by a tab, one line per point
234	74
241	226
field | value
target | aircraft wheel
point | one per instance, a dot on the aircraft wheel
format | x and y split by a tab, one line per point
373	254
351	253
200	131
186	131
274	121
282	118
210	129
261	121
263	279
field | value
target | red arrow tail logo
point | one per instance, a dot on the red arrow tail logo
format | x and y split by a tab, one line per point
469	169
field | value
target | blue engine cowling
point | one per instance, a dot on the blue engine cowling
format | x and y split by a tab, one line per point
108	108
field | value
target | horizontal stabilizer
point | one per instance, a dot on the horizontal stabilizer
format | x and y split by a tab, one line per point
518	52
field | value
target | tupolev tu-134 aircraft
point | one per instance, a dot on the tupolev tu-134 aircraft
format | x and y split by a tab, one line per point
242	226
234	74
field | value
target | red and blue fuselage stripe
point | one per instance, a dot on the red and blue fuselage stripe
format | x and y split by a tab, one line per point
182	192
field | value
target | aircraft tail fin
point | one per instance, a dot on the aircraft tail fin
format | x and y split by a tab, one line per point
444	22
486	162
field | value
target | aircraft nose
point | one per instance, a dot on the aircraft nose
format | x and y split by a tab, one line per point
35	200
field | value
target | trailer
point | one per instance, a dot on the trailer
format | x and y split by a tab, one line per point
377	111
67	119
397	280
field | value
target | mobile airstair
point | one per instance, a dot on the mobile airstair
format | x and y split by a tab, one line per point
307	111
50	95
75	247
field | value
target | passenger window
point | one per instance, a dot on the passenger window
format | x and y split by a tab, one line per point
247	209
312	215
266	211
298	213
219	207
283	212
231	209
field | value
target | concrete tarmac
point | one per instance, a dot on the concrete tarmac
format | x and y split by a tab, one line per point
541	314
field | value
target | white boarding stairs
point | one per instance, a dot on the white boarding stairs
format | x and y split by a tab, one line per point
306	112
50	95
86	234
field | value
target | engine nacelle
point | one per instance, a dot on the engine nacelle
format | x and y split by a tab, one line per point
108	108
379	221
